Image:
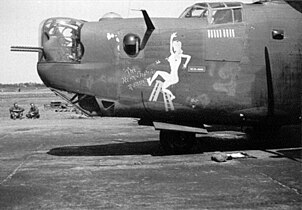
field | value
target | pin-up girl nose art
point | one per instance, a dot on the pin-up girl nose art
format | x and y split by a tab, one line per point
170	78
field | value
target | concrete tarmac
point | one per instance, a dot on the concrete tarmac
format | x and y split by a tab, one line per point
112	163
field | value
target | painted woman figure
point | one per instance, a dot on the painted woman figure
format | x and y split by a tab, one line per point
174	59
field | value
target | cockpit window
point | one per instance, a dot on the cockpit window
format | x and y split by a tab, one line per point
237	15
215	13
232	4
222	16
217	5
195	12
201	4
198	12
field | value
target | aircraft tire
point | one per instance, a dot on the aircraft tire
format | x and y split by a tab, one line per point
177	142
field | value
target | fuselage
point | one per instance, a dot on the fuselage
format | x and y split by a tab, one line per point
192	70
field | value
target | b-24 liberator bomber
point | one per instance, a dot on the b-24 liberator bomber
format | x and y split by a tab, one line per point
223	63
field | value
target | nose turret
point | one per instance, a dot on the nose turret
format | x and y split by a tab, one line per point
78	57
62	47
60	39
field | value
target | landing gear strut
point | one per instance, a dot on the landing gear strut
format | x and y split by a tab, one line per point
177	142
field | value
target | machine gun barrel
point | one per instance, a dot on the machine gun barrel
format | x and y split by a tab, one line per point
26	49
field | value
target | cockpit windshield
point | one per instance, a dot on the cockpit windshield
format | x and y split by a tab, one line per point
215	13
196	11
60	39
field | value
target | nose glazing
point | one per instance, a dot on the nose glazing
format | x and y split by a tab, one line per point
60	39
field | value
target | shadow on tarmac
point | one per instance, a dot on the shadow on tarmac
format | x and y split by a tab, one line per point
127	148
219	142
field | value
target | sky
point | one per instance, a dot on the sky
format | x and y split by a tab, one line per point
20	20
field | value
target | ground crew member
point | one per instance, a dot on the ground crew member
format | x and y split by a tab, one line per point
16	112
33	112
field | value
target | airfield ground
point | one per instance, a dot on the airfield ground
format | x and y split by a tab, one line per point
66	161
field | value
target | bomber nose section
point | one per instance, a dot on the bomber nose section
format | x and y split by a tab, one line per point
63	65
62	47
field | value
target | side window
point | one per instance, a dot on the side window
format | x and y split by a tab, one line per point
223	16
278	34
237	15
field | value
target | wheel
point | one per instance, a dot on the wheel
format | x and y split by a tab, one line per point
177	142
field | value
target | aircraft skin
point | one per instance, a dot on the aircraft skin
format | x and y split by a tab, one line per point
190	72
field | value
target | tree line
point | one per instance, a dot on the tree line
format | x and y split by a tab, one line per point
24	85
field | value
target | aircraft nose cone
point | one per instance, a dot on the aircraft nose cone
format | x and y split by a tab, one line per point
57	75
